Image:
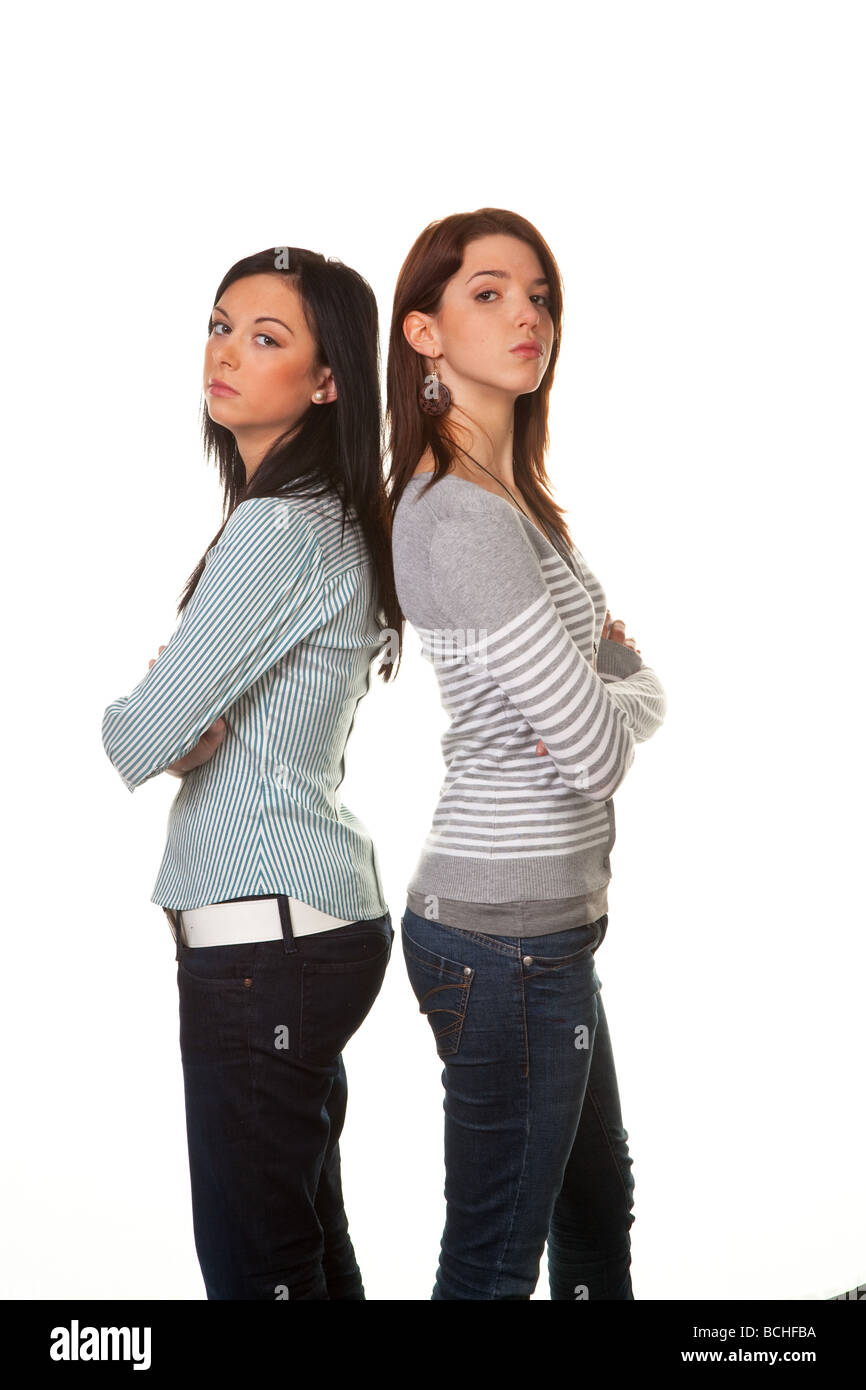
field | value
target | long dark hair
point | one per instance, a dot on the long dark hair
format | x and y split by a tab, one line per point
436	256
335	447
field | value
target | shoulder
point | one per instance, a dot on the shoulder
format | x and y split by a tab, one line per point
481	553
270	527
264	511
337	532
459	528
469	520
455	505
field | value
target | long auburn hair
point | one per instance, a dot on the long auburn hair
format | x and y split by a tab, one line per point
436	256
336	447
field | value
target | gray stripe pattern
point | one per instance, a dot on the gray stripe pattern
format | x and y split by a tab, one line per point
509	623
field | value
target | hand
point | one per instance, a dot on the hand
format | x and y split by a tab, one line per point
614	632
206	746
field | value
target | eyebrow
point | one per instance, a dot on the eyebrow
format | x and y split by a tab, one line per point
265	318
504	275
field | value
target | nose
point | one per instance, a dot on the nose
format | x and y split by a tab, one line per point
221	353
529	313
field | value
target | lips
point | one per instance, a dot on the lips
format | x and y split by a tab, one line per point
220	388
528	350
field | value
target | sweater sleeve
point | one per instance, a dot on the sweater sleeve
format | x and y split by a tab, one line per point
489	588
615	660
260	592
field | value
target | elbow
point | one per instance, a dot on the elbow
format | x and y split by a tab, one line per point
108	736
110	743
661	710
654	712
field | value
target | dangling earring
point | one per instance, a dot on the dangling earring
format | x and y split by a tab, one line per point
319	396
434	397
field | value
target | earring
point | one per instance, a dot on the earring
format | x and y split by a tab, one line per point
434	397
319	396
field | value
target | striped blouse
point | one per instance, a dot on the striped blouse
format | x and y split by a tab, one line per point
520	842
278	638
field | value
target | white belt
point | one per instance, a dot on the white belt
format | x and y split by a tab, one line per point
231	924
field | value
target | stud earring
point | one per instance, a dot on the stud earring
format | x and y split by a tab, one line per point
434	397
319	396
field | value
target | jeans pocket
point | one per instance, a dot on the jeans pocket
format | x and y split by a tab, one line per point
564	961
217	966
215	998
337	995
561	951
441	987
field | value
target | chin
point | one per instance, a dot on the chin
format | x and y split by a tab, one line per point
215	408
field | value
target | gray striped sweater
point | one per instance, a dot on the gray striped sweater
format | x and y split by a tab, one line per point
278	638
520	842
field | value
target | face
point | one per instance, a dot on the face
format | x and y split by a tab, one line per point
494	328
260	346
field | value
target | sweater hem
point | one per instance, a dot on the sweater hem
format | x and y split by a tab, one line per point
516	880
528	918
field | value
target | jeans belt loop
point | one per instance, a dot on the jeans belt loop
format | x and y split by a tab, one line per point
290	945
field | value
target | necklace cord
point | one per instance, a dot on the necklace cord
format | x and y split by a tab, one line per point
495	479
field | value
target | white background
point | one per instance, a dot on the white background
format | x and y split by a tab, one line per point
697	169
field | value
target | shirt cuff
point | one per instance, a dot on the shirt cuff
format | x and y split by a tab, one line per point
616	659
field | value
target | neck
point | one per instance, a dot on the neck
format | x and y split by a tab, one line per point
485	428
253	443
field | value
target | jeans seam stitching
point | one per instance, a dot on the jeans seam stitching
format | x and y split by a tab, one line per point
611	1150
527	1129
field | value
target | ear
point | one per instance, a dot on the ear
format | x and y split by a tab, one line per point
329	386
420	334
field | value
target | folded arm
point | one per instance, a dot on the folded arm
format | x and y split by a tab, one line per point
635	687
489	586
260	593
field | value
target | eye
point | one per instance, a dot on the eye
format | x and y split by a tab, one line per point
270	340
545	299
218	324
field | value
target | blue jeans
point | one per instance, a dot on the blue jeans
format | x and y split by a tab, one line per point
535	1149
262	1028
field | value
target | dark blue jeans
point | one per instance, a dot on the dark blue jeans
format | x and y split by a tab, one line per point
535	1148
262	1028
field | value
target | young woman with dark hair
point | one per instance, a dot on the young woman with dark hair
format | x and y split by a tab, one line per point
271	885
508	902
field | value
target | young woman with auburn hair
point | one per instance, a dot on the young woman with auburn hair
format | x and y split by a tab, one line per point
508	902
271	885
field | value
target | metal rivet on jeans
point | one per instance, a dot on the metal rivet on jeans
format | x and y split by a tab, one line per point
467	970
527	960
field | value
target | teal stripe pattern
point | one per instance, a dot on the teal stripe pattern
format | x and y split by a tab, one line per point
278	639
